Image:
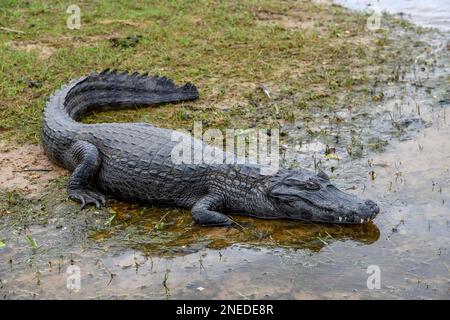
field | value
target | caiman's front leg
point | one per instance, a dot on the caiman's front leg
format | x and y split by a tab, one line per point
86	160
204	214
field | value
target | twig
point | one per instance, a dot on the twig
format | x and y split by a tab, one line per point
165	215
237	223
329	235
111	275
415	275
448	269
265	90
11	30
325	243
287	231
30	170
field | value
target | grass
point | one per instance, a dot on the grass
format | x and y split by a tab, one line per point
306	54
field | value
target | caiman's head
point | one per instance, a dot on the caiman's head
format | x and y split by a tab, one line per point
303	195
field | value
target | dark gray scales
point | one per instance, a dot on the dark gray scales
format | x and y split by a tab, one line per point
132	161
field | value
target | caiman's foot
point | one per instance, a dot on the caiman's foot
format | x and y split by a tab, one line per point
211	218
203	212
87	196
87	158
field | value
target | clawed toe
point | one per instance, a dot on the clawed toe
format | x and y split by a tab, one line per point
86	196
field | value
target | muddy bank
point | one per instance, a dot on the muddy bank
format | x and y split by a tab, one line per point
26	170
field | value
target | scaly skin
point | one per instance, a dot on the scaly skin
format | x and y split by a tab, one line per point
133	161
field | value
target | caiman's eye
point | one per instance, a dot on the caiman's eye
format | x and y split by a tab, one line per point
300	184
312	186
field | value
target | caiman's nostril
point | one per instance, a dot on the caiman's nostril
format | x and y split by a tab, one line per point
373	206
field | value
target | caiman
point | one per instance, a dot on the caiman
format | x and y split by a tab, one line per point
132	161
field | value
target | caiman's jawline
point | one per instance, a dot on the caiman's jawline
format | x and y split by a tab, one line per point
133	161
333	216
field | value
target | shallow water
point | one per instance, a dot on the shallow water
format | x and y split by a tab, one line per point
430	13
409	241
404	164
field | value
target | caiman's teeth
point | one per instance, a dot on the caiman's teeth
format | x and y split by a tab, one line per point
340	219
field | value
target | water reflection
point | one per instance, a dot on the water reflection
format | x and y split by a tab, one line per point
172	232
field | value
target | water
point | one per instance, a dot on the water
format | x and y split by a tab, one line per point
430	13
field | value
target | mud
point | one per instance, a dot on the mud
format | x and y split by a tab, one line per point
26	169
43	51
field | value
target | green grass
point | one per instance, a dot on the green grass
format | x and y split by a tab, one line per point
226	48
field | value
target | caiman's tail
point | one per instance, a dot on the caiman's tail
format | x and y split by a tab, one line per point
102	91
110	89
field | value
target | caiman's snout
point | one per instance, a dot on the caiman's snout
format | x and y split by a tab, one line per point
360	213
366	211
303	195
370	208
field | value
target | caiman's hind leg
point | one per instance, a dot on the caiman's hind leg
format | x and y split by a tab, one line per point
204	214
86	160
